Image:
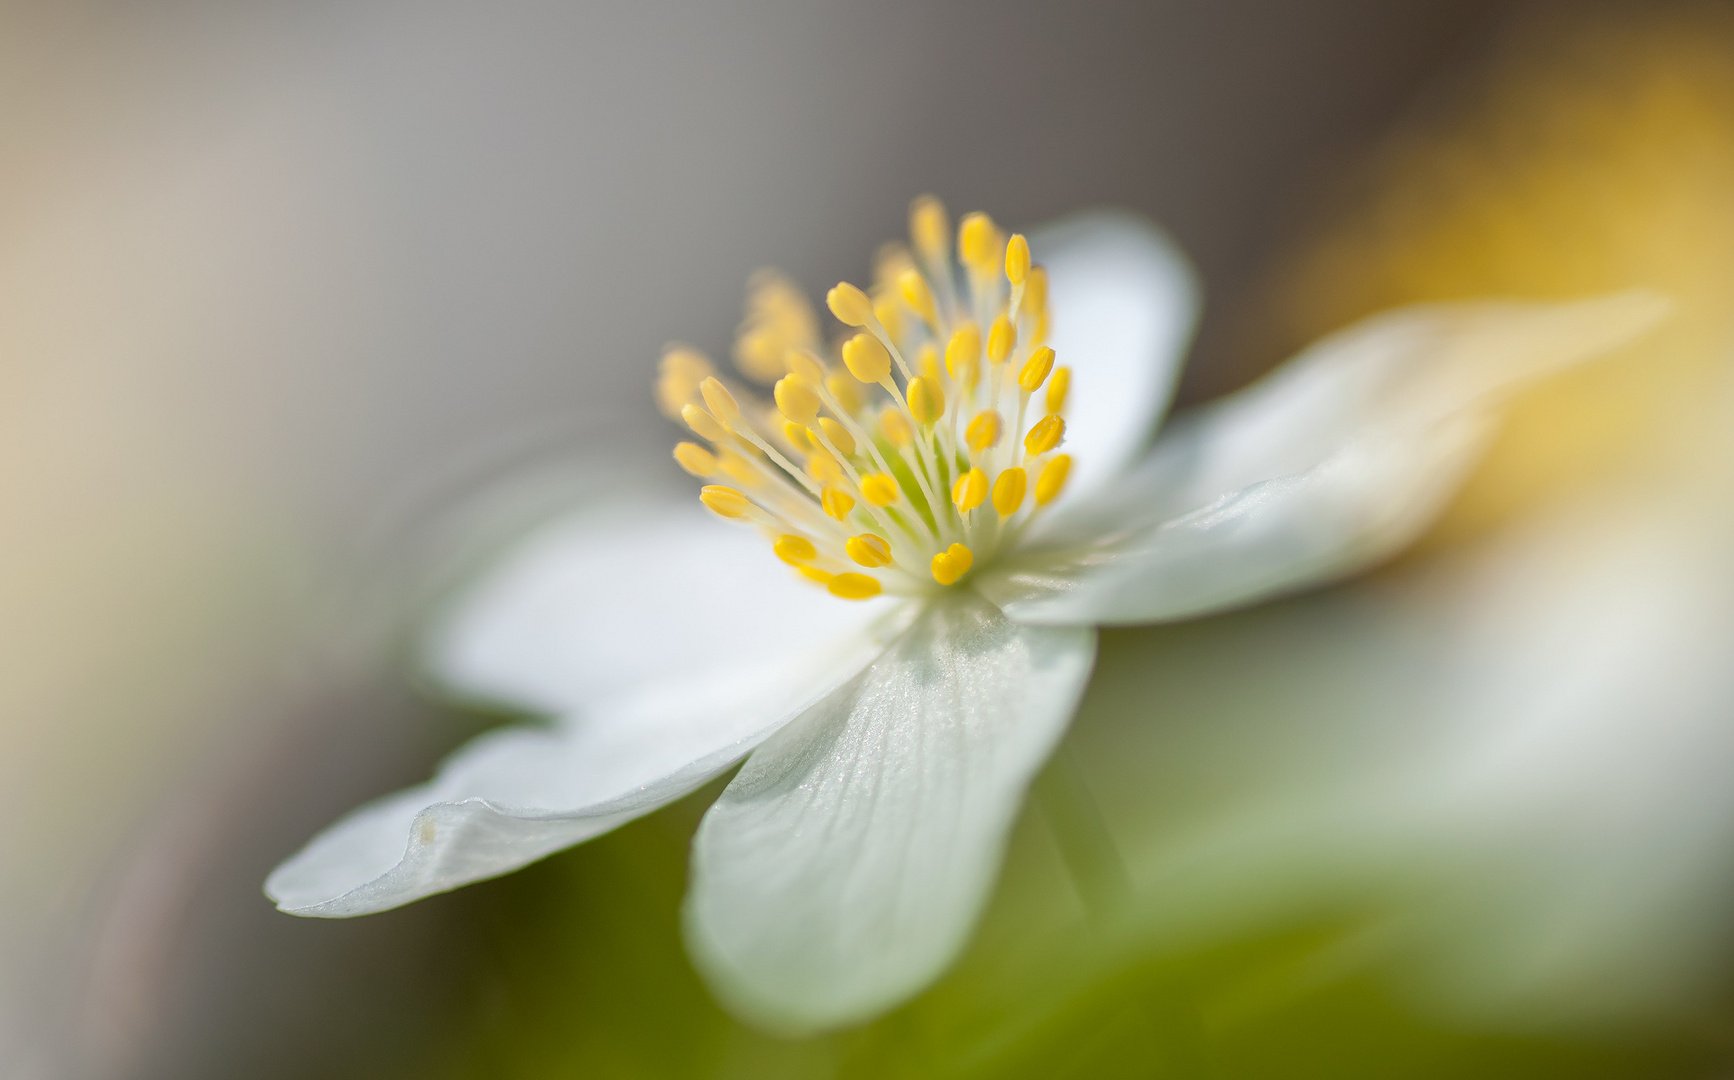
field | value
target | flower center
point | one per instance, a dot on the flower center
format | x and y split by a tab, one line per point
915	463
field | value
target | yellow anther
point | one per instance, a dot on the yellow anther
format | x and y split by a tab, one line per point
798	437
952	563
1053	478
853	587
1058	387
984	431
837	502
978	242
778	319
721	403
1039	335
970	490
890	314
822	467
850	305
929	229
737	468
866	358
926	401
813	573
963	352
796	399
725	501
868	550
1017	259
846	390
1036	290
1001	336
917	295
1045	434
703	424
1036	370
839	436
927	360
879	489
678	376
695	459
1008	491
895	427
794	550
806	367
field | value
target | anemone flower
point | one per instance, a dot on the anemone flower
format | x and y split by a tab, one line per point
938	513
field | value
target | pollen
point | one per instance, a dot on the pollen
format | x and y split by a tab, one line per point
854	587
795	550
695	459
1008	491
1045	434
879	489
951	564
869	550
970	490
984	431
1053	478
725	501
913	449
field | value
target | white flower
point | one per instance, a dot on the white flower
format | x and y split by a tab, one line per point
891	740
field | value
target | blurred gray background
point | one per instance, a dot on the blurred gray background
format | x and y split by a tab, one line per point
279	280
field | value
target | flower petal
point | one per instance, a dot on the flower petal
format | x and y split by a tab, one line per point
627	592
844	867
1335	461
1124	302
512	796
666	645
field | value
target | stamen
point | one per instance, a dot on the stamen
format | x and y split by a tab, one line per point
1053	478
824	468
918	296
1008	491
951	564
984	431
798	437
1017	260
695	459
796	399
897	430
929	230
926	401
703	424
850	305
970	490
722	404
1000	339
725	501
837	502
963	353
678	376
838	435
869	550
853	587
1045	434
1036	370
866	358
795	550
1057	389
977	241
879	489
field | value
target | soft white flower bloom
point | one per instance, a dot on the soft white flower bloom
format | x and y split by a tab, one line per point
891	739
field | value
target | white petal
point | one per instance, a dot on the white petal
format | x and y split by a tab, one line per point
623	593
1330	464
1124	301
513	796
844	868
666	645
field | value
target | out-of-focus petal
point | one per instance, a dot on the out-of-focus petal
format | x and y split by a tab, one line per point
515	795
1332	463
1124	301
844	867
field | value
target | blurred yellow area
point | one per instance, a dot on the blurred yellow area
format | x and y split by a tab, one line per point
1586	155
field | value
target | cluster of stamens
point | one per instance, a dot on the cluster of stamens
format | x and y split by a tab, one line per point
898	459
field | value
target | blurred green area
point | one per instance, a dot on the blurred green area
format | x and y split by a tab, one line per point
577	968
